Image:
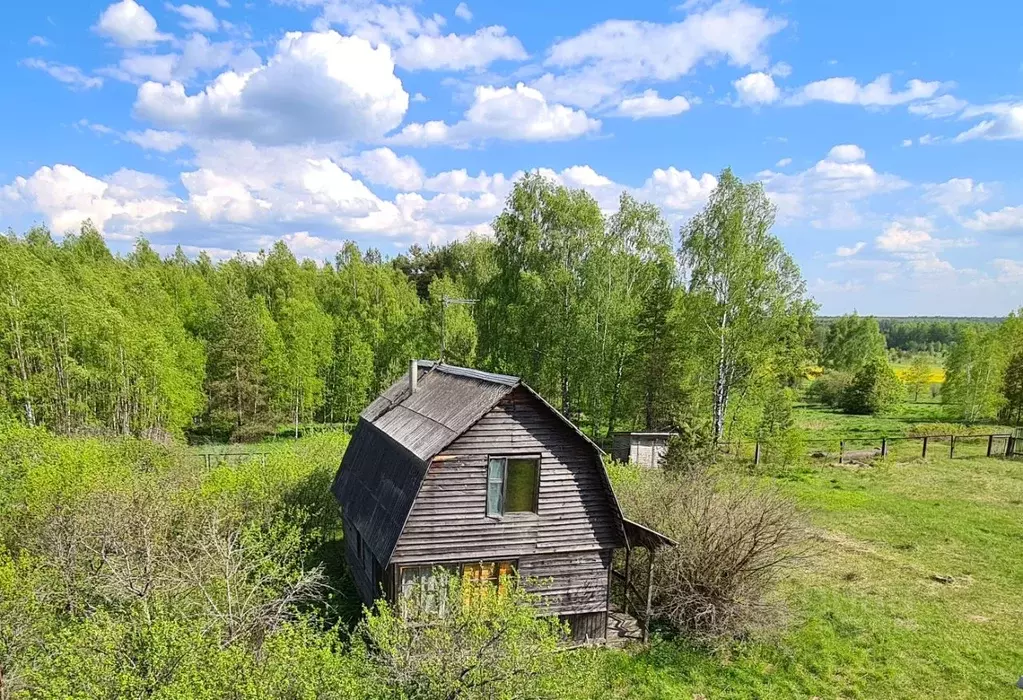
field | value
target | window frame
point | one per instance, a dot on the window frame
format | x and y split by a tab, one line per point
538	460
454	568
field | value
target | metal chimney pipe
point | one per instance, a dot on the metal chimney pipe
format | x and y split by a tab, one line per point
413	376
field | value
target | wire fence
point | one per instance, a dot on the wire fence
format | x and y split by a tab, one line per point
899	449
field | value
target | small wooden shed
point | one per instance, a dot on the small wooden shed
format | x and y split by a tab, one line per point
475	473
645	449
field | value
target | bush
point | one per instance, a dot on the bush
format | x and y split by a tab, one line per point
736	539
875	389
692	446
489	643
829	388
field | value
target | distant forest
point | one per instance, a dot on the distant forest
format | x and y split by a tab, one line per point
921	333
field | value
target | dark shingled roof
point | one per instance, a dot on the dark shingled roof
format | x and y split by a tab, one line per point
398	435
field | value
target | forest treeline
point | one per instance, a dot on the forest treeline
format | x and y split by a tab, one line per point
616	319
617	322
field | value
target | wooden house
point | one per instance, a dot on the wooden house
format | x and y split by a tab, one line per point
475	473
646	449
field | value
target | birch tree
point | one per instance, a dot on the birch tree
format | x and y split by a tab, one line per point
747	303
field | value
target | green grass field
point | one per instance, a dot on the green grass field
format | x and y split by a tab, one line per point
915	591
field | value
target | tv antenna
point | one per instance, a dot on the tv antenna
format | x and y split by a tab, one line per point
444	303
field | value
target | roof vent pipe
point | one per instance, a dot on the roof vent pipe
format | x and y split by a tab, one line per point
413	376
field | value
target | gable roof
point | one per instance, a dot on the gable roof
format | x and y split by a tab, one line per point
401	431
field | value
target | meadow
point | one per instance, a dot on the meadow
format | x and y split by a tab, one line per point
914	590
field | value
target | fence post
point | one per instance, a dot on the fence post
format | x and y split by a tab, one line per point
1010	445
841	450
990	444
207	456
756	454
884	447
925	447
951	446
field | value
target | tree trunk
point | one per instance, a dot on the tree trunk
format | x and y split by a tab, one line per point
616	394
19	350
721	385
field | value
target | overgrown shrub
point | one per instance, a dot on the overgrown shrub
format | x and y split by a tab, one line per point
875	389
736	539
829	388
691	446
488	643
783	441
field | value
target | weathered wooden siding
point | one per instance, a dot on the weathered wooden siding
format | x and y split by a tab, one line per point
361	574
570	537
587	626
573	582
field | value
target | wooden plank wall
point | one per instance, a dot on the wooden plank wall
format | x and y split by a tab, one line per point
361	575
448	521
587	626
573	582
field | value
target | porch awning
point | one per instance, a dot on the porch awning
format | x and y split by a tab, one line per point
642	536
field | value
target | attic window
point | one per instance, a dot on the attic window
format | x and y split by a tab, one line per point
512	485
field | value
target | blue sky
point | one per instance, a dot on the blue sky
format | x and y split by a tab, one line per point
888	134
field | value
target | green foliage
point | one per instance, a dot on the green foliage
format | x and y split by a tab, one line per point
1012	390
918	376
851	342
747	317
875	389
589	308
829	389
973	373
489	643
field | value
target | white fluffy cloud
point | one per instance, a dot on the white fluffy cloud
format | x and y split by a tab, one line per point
129	24
650	104
677	190
459	52
517	114
952	195
916	247
1008	271
849	251
615	53
318	86
846	153
196	17
879	93
826	193
757	89
1006	124
239	194
914	236
382	166
69	75
196	55
939	107
127	203
462	11
155	140
417	41
1005	219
